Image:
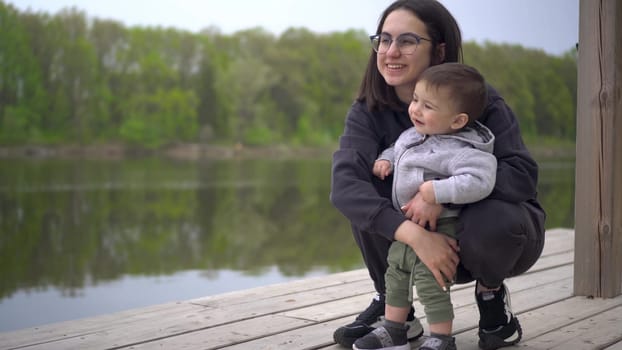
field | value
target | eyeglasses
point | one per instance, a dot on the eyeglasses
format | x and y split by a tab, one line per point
407	42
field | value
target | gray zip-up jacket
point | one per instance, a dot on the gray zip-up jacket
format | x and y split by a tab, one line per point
461	165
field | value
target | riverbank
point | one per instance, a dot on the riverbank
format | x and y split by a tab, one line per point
192	151
178	151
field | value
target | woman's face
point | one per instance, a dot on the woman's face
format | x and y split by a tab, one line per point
402	70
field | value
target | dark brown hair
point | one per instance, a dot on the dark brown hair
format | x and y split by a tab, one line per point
465	86
442	28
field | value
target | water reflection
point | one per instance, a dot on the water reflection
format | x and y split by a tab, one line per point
73	228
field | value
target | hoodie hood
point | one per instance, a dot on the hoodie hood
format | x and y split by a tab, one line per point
477	135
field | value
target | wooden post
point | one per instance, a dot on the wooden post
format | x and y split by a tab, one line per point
598	181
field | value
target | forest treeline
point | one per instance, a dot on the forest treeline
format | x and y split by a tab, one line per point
67	78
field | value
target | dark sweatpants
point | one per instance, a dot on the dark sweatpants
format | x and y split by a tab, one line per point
497	240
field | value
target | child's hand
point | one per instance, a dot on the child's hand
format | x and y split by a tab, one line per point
382	168
427	192
421	212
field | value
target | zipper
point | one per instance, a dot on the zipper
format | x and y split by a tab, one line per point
398	160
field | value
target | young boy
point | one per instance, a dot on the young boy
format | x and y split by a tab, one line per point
446	158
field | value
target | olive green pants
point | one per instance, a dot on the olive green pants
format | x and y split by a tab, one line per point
406	269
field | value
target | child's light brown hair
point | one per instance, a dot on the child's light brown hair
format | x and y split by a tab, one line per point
465	86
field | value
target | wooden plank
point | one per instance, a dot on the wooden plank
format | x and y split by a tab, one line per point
594	332
616	346
312	315
559	233
223	312
325	319
467	317
225	309
548	318
318	336
277	289
462	295
353	306
204	316
598	189
46	335
305	310
549	261
211	338
178	317
558	240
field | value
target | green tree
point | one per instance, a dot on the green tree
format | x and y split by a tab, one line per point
109	39
70	79
22	96
161	117
246	85
213	111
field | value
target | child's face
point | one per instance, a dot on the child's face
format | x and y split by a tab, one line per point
432	112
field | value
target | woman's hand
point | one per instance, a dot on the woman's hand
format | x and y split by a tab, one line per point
421	212
437	251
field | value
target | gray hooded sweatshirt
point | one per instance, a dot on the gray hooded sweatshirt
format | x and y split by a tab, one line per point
461	165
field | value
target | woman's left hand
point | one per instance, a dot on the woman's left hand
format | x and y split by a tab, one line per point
437	251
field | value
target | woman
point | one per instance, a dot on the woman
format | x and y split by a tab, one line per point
500	237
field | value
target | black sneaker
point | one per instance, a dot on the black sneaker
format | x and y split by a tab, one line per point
389	336
439	342
498	327
371	318
363	324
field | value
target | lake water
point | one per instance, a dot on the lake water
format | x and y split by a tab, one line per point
80	238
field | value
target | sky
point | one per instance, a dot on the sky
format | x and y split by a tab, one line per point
550	25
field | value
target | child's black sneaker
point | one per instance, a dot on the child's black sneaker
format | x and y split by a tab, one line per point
371	318
439	342
498	327
415	329
389	336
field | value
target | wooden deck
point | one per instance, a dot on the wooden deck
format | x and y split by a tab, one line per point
303	314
